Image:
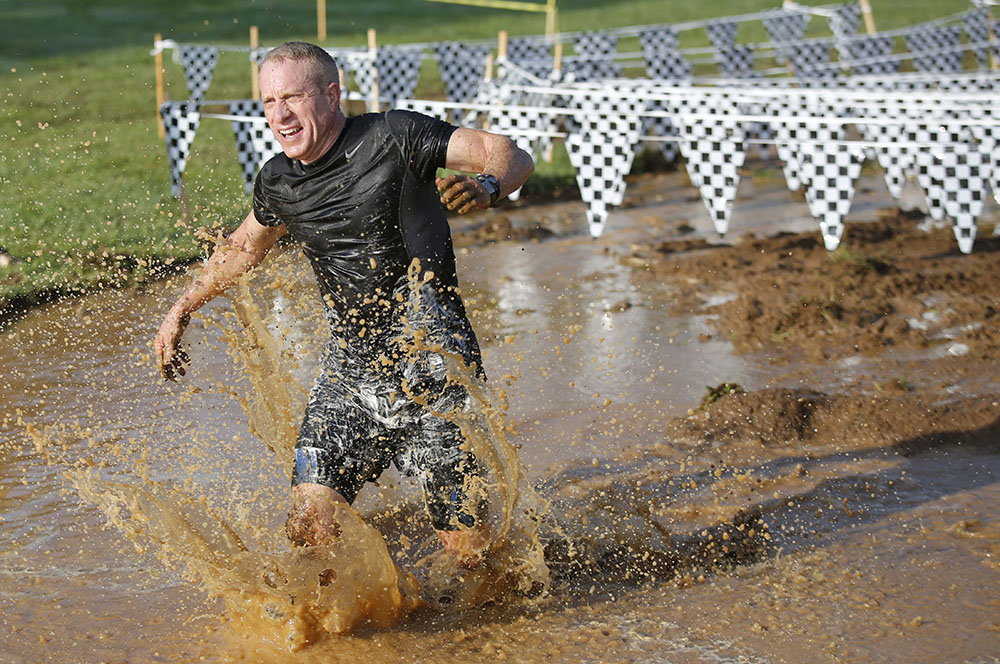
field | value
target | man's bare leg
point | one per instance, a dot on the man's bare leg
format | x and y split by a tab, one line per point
467	546
312	519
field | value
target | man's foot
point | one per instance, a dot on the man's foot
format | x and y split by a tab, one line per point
467	547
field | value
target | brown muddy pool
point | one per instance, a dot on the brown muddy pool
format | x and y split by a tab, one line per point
121	496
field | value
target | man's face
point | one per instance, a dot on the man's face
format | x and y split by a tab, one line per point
302	116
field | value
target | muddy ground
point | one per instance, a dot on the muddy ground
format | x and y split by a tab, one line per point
893	337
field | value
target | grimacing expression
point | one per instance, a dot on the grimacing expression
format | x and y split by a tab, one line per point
302	115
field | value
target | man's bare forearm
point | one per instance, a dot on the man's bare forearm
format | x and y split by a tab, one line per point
224	268
511	165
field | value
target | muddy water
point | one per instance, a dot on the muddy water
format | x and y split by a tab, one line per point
658	550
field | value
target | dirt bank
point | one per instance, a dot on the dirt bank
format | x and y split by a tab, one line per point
893	339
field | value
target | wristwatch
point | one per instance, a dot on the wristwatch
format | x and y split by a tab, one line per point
492	185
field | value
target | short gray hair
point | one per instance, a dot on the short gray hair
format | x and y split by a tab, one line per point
322	67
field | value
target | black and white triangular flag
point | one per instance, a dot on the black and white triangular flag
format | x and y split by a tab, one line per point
255	142
961	172
829	171
180	123
199	63
600	150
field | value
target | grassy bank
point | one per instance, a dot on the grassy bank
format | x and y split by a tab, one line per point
84	186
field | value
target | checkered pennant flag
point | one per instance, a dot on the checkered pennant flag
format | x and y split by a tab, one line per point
595	56
662	39
661	126
713	104
180	122
988	140
199	62
531	54
667	66
845	20
829	170
255	143
809	59
874	49
398	71
964	83
716	154
787	26
757	130
735	61
355	64
961	172
663	59
463	68
258	54
935	49
600	151
788	134
893	159
977	27
431	108
929	139
722	34
523	125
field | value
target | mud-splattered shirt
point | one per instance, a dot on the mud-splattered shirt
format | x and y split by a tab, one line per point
363	212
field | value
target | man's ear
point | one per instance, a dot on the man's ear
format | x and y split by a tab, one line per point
333	94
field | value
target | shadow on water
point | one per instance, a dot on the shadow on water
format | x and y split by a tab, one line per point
614	537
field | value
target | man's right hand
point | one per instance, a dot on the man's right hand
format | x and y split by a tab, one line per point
170	357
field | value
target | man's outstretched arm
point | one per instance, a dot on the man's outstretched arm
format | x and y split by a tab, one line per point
474	151
239	253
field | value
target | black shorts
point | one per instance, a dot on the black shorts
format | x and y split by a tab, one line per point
359	419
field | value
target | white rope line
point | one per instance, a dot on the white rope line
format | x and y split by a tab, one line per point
627	31
686	138
649	92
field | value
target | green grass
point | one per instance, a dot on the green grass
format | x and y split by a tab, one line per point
84	186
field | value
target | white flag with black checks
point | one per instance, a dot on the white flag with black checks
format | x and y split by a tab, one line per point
199	63
600	150
714	152
180	123
255	142
463	68
398	71
936	49
829	171
961	172
522	124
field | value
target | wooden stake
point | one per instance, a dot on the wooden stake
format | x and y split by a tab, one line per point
991	49
342	75
557	56
373	104
254	67
160	92
550	18
866	11
489	67
321	20
502	44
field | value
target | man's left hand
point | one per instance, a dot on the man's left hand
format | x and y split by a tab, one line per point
460	193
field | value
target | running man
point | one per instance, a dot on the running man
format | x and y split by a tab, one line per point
362	196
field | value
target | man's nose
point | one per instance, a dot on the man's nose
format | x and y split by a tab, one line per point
280	110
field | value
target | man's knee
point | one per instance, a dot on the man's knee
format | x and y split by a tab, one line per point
312	518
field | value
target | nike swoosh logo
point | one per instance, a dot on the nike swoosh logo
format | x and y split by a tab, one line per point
350	153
